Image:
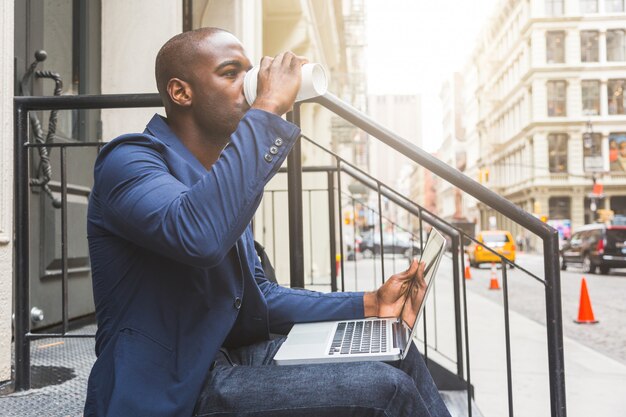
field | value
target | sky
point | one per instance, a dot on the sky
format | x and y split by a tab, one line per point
413	45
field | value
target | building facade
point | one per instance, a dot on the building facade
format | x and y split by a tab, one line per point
549	109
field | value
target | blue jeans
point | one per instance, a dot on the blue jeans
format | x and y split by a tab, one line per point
244	382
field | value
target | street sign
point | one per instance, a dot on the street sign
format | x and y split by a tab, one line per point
594	163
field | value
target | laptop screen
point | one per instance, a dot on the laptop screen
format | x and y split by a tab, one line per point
417	291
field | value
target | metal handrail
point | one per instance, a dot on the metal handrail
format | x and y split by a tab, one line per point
549	235
23	105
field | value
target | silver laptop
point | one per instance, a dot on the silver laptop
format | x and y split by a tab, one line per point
371	339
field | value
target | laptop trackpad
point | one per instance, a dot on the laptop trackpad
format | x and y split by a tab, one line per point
307	338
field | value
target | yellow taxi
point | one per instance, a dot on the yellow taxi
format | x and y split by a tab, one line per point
499	241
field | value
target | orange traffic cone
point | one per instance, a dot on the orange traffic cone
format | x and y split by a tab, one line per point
494	285
585	312
468	272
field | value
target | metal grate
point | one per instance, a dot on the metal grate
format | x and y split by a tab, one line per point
59	372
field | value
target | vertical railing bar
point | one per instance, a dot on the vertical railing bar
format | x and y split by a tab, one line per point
457	315
421	252
340	211
554	325
457	249
22	274
434	291
380	226
419	212
273	228
424	315
356	281
507	336
372	212
264	231
294	198
393	244
310	238
64	243
467	350
332	232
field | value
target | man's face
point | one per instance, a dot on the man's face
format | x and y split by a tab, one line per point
217	84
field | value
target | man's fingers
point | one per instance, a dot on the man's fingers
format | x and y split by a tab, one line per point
266	61
412	269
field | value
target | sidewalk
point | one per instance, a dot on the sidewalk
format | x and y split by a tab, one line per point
595	383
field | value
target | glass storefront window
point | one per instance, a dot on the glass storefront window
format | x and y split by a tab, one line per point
559	208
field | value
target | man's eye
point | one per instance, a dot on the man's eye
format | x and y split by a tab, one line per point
231	73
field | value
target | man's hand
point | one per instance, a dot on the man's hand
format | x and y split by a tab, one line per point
388	300
278	83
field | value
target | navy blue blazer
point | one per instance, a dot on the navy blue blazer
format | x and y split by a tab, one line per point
175	273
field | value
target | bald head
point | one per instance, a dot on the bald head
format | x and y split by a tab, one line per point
176	56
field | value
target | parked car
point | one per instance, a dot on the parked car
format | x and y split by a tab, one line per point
595	246
501	241
400	243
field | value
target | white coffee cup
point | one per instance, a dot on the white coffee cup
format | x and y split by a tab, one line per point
314	83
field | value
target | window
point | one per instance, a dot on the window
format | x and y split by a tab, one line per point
556	98
589	46
557	152
616	96
615	45
589	6
617	152
559	208
555	47
614	5
592	152
554	7
591	97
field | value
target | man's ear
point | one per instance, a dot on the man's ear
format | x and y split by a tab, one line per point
179	92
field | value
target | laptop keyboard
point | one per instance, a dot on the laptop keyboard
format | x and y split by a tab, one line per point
351	337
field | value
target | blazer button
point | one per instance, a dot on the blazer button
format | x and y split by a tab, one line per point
268	157
273	150
278	142
237	303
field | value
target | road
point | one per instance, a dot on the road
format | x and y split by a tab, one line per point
527	297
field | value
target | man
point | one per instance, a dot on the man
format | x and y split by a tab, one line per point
181	298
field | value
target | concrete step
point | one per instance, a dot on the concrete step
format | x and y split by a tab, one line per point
456	401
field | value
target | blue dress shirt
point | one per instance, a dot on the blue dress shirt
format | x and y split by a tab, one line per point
175	273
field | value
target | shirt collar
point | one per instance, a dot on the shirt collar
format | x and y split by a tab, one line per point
159	128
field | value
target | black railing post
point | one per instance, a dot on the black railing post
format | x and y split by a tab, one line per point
22	278
64	242
457	250
507	338
554	325
331	231
294	196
